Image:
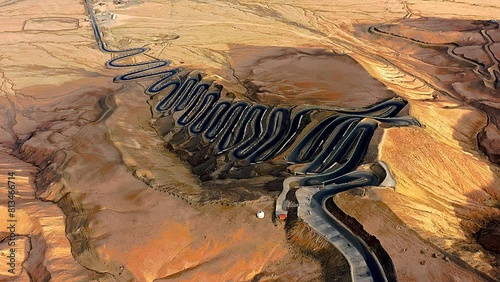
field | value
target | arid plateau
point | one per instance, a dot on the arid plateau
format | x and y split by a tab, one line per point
203	140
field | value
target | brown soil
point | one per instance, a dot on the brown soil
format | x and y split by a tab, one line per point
91	174
277	76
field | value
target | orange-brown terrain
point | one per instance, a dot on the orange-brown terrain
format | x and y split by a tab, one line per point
100	196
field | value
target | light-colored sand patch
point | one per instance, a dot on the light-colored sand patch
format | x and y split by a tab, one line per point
51	24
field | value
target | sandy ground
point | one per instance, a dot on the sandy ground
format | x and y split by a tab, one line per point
85	175
414	258
105	224
278	76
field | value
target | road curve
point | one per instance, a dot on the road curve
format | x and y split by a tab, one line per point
323	153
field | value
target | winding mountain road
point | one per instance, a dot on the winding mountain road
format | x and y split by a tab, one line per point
324	153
